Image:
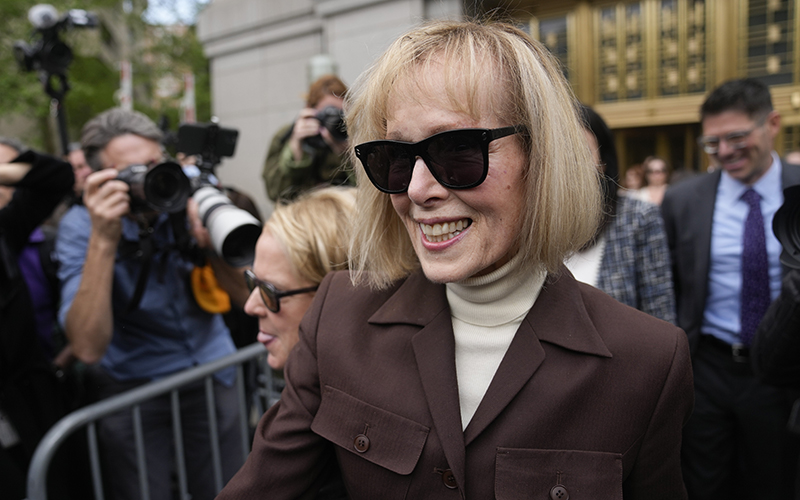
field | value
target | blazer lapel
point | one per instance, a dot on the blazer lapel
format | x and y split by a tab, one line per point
558	317
420	302
700	223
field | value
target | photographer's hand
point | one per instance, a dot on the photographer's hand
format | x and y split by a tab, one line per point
306	126
107	201
337	147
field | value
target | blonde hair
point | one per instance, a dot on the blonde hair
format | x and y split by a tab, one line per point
562	194
313	230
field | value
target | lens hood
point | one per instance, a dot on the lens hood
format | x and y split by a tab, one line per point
786	226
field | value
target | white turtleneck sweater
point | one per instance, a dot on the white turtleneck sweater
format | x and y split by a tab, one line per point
486	313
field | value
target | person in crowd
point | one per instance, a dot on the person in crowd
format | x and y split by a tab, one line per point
310	151
633	179
29	397
656	179
302	242
458	358
629	257
726	270
128	309
775	352
80	168
793	157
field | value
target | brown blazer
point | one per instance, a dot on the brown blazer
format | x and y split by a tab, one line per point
591	397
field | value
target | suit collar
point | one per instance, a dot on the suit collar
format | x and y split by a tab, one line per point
417	301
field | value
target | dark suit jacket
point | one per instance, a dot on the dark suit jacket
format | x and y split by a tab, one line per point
688	211
592	395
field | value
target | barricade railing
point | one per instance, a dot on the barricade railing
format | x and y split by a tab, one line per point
132	399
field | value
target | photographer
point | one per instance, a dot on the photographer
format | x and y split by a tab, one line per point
29	401
128	306
306	153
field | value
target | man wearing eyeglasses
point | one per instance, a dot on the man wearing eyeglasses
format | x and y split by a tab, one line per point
726	270
129	310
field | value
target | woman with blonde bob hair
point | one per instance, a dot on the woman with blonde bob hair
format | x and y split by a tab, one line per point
302	242
459	358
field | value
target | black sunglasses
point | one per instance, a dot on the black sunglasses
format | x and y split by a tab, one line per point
457	159
269	294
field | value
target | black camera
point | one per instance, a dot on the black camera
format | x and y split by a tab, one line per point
208	140
163	187
332	118
786	226
233	231
47	52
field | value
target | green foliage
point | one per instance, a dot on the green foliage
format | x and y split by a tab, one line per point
157	52
93	87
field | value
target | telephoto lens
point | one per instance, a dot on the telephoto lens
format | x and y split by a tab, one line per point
233	231
786	226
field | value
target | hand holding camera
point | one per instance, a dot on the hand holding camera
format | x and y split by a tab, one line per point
317	130
107	201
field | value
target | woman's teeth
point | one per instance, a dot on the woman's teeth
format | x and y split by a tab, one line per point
438	233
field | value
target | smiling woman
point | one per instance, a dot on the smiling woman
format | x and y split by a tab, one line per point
459	354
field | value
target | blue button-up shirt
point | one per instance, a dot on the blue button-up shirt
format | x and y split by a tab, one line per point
168	331
722	314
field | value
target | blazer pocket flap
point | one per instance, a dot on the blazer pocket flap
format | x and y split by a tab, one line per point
379	436
528	473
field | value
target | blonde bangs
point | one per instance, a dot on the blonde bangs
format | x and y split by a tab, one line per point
562	185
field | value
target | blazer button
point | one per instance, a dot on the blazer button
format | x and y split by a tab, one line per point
361	443
558	492
449	479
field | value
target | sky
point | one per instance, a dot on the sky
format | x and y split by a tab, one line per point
172	11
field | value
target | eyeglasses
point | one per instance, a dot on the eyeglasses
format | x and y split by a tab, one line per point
269	294
736	140
457	159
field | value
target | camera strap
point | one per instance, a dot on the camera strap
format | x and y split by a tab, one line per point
146	250
146	247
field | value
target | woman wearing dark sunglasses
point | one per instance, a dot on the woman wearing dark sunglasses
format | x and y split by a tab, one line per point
459	359
302	241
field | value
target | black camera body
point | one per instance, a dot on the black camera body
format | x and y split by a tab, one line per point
786	226
163	187
209	140
332	118
47	52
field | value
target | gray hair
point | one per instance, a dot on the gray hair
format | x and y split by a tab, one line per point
13	143
101	129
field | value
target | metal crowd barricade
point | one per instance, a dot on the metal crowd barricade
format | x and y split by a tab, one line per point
264	396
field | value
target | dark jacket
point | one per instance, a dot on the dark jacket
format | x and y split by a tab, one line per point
775	353
590	397
28	393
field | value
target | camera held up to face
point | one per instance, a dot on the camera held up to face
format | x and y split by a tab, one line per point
332	118
165	187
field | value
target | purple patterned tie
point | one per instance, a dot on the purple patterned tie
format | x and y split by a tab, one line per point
755	269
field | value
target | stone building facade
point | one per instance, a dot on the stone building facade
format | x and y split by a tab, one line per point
260	52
